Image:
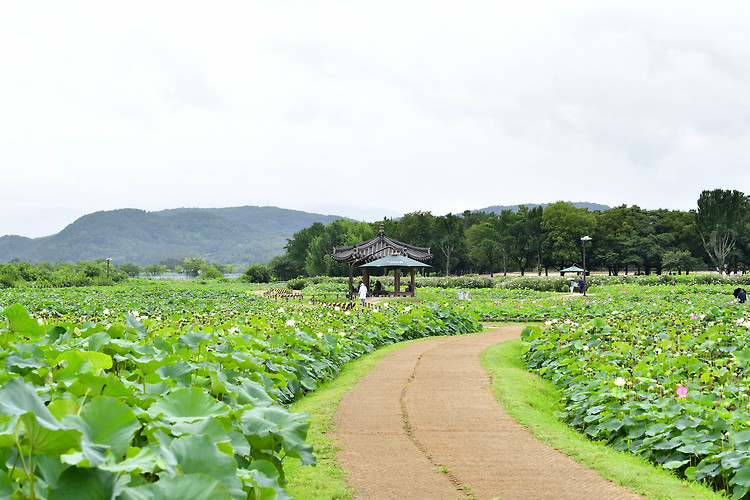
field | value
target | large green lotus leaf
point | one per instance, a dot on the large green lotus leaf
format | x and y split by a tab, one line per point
149	364
91	455
101	385
20	322
49	441
137	461
96	340
163	345
290	427
56	334
61	407
266	478
74	362
239	444
742	356
253	393
87	484
220	384
6	486
199	454
742	477
133	322
8	426
17	361
106	421
187	405
44	433
210	427
179	372
193	339
191	486
119	345
48	469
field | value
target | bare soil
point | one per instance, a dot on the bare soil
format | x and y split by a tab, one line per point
424	424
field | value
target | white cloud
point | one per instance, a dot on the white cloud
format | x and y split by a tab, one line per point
324	104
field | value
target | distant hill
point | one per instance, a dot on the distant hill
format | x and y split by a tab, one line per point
238	236
578	204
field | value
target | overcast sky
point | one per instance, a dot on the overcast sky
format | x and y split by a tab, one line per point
368	109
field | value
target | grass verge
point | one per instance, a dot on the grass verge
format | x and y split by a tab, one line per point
532	400
326	479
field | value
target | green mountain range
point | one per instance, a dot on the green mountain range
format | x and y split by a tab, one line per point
592	207
238	236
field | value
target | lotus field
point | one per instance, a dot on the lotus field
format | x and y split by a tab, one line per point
173	390
662	372
146	391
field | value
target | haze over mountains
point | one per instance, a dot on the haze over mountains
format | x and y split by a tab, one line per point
238	235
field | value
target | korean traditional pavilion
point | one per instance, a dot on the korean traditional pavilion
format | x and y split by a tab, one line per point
377	248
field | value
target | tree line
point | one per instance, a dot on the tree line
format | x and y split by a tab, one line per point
624	239
102	271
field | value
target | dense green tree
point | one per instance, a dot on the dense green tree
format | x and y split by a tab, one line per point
474	218
613	228
535	234
257	273
130	269
154	269
90	269
282	268
416	229
679	260
298	246
564	225
193	265
172	263
210	271
524	236
624	238
449	237
482	239
340	233
720	219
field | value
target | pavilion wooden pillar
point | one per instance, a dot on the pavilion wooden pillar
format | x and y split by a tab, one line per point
397	280
366	278
351	279
413	282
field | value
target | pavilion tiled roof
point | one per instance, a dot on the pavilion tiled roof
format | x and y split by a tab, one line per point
377	247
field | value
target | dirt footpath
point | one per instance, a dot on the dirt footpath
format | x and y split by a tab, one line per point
423	424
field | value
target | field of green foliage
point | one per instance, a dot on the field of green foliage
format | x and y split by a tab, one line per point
661	371
133	391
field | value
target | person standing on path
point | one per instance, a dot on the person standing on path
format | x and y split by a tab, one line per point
362	290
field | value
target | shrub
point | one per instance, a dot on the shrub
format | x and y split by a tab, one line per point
257	273
296	284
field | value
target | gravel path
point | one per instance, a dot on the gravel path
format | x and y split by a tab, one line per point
423	424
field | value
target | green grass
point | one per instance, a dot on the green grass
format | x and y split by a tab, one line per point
532	400
326	479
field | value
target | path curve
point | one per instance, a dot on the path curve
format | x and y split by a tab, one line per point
424	424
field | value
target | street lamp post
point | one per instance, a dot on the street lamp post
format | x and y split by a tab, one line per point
583	242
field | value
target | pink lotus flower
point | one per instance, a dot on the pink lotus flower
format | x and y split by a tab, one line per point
693	317
681	391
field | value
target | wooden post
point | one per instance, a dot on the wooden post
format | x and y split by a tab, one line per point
366	278
397	280
413	282
351	279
